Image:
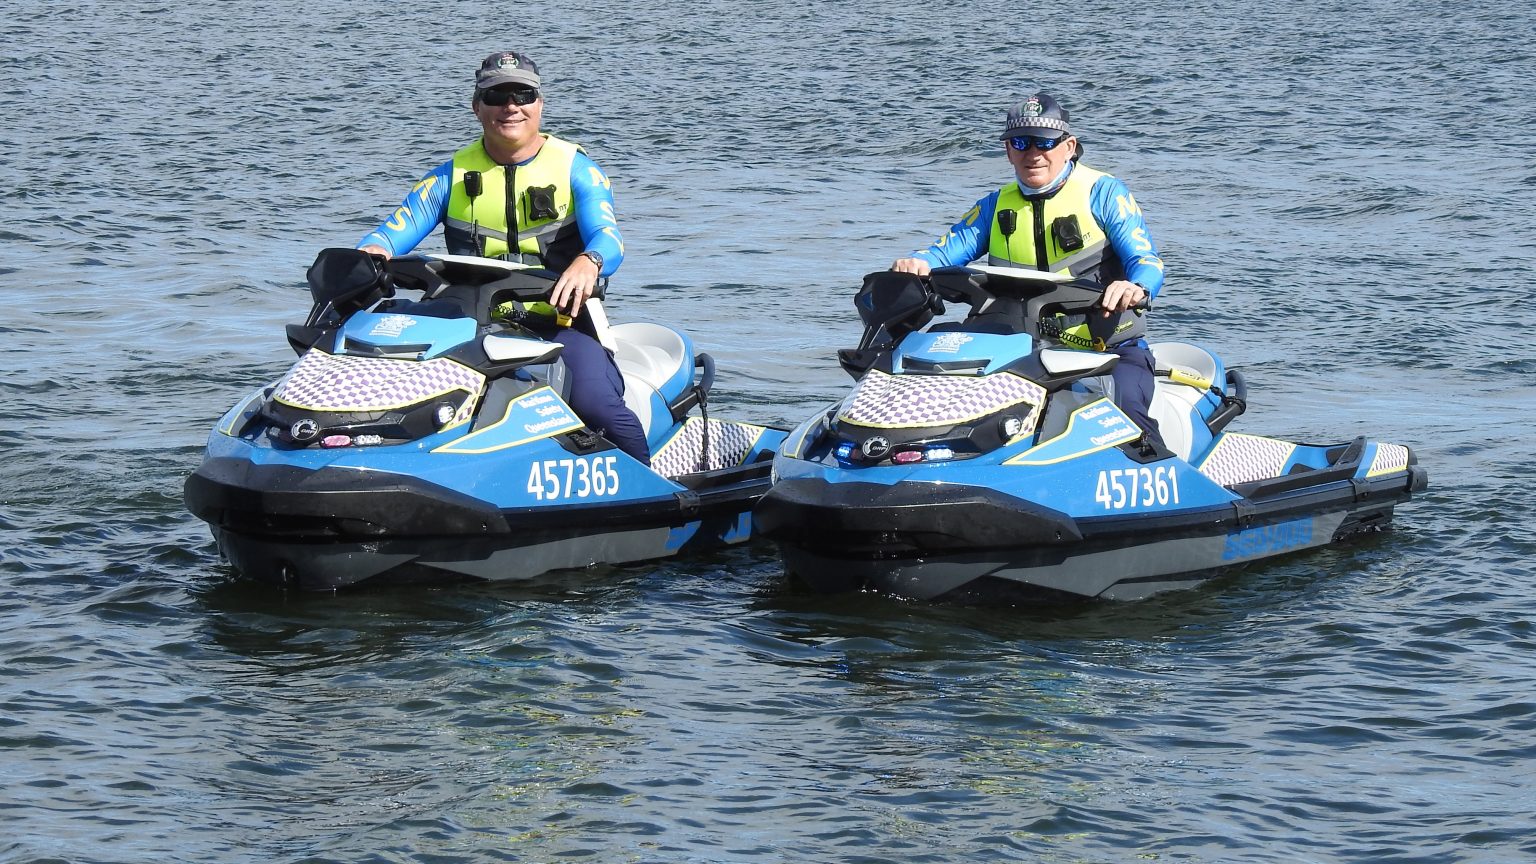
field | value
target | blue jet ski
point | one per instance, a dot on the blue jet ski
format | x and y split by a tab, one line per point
984	460
429	440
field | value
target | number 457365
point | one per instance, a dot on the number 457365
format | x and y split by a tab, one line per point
583	477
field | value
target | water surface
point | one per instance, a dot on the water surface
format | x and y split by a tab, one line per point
1343	198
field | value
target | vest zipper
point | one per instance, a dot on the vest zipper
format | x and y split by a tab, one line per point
514	250
1042	251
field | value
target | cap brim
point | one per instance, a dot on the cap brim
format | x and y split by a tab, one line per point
509	76
1036	131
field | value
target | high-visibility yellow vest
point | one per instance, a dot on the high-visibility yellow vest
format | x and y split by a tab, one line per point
534	199
1037	243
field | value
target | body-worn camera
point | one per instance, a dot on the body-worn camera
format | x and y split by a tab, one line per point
1068	234
541	203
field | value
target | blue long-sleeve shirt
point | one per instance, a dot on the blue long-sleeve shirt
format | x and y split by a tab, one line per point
427	203
1113	208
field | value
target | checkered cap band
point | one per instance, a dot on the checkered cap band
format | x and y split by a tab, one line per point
1390	458
1242	458
1037	124
917	401
327	382
729	444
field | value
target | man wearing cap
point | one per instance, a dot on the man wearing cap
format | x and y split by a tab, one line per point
522	195
1063	217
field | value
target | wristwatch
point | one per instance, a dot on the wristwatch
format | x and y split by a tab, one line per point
595	258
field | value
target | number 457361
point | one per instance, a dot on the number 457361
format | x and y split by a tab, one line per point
1137	487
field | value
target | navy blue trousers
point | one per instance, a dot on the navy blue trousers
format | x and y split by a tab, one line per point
597	391
1134	387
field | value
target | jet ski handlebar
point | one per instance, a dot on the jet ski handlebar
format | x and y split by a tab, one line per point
1025	296
436	274
1001	300
343	281
980	283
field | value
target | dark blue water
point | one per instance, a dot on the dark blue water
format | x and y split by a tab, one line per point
1343	194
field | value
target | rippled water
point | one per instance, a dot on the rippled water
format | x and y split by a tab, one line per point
1344	198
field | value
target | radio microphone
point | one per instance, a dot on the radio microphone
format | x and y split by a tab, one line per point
473	188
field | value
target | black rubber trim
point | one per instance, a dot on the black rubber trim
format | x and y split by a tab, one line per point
913	516
329	504
862	521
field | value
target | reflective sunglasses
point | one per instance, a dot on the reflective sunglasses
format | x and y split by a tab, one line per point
502	95
1024	142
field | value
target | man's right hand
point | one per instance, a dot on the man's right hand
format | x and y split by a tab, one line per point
915	266
375	249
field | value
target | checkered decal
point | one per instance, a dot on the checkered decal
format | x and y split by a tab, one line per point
918	401
1239	458
1390	458
729	444
326	382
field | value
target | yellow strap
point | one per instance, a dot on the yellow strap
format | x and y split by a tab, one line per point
538	309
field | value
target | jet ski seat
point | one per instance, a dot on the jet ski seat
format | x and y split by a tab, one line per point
651	357
1175	404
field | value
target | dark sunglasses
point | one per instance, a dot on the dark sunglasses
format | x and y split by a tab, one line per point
1024	142
516	95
